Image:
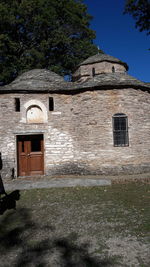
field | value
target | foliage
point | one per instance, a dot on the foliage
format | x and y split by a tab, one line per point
140	10
52	34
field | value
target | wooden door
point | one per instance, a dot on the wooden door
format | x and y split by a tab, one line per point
30	155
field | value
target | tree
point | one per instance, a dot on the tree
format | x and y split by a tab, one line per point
140	10
52	34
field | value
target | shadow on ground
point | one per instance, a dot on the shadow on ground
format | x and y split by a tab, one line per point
17	233
9	201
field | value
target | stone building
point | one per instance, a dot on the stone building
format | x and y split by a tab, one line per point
97	124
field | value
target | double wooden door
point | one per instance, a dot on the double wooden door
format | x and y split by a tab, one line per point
30	155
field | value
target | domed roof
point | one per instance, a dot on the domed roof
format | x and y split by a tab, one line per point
113	80
41	80
39	74
103	57
38	80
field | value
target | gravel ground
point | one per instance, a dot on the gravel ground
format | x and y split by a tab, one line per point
71	181
78	226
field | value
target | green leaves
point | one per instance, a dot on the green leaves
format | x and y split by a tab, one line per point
49	34
140	10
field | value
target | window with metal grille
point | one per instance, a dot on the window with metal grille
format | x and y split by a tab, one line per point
120	129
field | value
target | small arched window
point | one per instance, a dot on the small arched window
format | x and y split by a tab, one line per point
93	72
120	129
113	69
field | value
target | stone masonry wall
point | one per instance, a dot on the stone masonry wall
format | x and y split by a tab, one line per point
78	134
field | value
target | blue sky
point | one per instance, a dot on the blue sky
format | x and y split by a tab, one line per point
117	36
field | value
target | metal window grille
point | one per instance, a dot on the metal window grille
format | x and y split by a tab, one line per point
120	130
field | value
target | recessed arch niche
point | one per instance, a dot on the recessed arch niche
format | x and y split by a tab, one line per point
35	112
35	115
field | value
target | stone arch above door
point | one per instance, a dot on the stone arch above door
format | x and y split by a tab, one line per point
35	112
35	115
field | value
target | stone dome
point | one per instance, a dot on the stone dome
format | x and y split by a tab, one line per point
38	80
101	58
99	64
39	74
46	81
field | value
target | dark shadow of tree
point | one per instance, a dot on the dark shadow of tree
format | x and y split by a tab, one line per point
73	256
16	231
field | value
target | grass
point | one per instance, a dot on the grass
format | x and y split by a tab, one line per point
81	226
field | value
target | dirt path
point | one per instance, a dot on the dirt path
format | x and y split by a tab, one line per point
71	181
